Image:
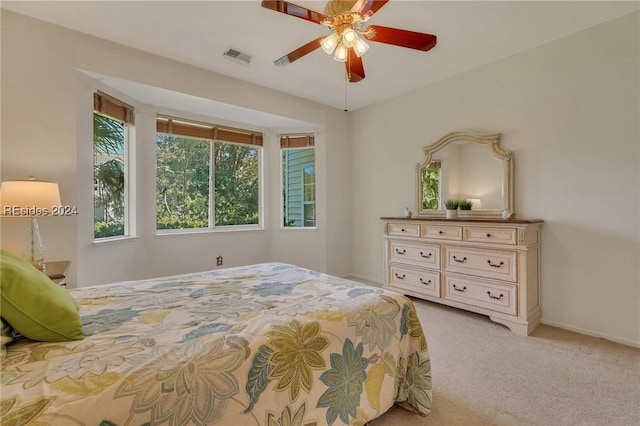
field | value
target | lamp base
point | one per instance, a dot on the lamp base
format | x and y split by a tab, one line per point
32	249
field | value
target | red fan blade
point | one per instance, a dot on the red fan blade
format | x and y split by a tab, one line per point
403	38
355	69
368	6
298	53
294	10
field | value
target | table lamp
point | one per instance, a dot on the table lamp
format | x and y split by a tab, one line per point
30	198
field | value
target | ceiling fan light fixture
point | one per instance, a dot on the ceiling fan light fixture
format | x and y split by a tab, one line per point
360	47
345	19
340	54
329	43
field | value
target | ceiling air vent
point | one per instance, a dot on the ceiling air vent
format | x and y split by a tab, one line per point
237	56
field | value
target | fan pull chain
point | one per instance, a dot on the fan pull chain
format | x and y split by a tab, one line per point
346	79
346	109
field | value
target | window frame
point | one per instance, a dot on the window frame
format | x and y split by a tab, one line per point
293	142
115	109
205	130
306	202
212	168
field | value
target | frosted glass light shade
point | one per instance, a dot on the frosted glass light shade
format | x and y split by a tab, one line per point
329	43
360	47
341	53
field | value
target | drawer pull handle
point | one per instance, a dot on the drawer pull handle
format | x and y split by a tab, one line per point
425	283
425	256
440	232
488	235
400	277
458	260
495	297
495	265
401	252
459	289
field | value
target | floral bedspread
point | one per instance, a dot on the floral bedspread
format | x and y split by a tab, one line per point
269	344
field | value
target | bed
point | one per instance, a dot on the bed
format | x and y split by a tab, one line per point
268	344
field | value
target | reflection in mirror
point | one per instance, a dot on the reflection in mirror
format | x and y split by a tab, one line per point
466	166
430	184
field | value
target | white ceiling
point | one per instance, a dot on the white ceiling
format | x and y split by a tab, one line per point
470	34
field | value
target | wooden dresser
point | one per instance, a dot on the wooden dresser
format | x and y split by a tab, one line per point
488	266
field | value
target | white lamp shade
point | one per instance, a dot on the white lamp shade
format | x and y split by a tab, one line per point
28	198
329	43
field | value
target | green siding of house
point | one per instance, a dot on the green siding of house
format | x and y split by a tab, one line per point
295	162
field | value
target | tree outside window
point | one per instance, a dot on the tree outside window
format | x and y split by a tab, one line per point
205	184
182	182
109	176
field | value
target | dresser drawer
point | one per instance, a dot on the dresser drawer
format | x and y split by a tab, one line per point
424	282
427	255
498	264
495	296
404	229
442	232
481	234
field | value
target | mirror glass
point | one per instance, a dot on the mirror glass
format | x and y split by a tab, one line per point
466	166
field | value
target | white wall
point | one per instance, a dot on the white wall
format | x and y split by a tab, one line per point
46	131
569	112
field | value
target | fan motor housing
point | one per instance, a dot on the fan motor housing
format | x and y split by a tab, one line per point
336	7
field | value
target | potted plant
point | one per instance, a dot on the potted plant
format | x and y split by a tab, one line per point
452	208
465	205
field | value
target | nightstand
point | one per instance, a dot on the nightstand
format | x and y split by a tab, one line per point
57	271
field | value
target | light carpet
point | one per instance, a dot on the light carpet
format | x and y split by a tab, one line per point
483	374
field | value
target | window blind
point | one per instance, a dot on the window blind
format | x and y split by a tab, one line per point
192	129
297	141
113	108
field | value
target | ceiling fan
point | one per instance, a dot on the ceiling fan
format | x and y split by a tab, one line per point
345	19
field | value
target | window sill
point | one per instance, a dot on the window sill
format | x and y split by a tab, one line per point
114	240
188	232
298	228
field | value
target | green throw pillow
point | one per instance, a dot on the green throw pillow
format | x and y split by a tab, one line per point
34	305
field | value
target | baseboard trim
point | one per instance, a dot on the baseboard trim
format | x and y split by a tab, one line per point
635	344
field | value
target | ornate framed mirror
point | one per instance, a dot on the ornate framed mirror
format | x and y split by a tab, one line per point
467	166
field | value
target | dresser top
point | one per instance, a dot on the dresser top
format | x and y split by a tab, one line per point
465	219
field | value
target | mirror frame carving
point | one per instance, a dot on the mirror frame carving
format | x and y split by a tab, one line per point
492	142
